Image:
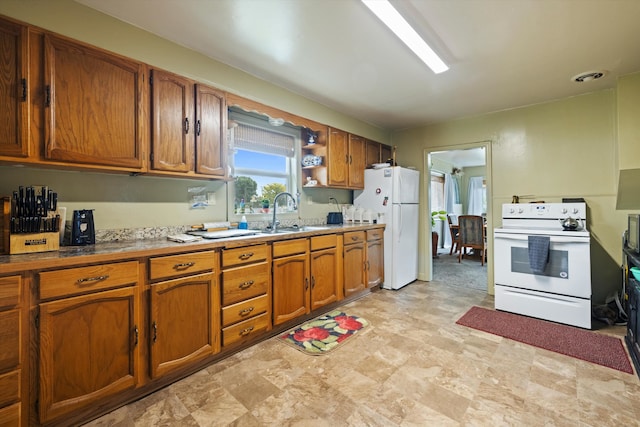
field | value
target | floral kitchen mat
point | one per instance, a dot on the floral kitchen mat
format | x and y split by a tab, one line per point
324	333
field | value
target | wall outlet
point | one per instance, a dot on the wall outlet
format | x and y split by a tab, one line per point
211	198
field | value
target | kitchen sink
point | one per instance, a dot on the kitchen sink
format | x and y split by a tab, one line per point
295	229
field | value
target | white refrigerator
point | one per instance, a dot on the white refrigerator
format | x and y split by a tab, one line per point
393	192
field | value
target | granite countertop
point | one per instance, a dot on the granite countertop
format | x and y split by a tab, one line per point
68	256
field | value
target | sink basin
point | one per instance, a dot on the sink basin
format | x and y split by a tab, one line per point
295	229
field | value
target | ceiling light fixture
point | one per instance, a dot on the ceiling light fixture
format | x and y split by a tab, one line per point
588	76
401	28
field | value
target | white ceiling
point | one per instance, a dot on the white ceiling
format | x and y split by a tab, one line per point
502	53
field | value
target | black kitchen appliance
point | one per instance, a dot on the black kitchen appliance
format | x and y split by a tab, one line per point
334	217
83	230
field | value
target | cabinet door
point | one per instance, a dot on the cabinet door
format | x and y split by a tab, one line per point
324	280
337	158
372	153
94	101
386	152
375	263
354	268
172	129
88	350
357	161
211	131
14	126
290	287
184	322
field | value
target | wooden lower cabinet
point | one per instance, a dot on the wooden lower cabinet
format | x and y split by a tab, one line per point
106	333
245	293
12	352
354	263
325	272
184	310
375	257
10	416
89	350
184	322
291	282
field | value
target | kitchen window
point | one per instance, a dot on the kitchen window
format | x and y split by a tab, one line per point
263	162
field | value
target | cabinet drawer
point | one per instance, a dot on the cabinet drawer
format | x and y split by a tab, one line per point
243	283
10	416
180	265
86	279
244	255
290	247
9	339
244	310
9	291
354	237
375	234
244	330
324	242
9	388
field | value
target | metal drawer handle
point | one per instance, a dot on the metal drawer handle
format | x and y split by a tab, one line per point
246	331
184	265
246	256
246	311
354	238
92	279
246	285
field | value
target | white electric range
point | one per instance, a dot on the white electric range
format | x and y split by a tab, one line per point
560	291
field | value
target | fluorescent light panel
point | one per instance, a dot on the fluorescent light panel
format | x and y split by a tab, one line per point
401	28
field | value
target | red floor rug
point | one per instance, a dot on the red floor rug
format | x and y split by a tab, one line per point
325	333
582	344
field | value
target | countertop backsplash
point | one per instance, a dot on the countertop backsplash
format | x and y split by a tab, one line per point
144	233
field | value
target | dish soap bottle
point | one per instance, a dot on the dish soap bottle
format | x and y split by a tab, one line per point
243	223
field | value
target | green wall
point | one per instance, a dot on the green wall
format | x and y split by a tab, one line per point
565	148
122	201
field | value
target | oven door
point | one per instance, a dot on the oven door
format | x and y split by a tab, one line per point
568	271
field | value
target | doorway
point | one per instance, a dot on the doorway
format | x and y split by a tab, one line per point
459	184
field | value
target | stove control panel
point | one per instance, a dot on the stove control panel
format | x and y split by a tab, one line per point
544	210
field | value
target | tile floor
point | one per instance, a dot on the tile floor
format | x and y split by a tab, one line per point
412	367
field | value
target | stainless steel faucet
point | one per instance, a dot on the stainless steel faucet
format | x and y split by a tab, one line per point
274	223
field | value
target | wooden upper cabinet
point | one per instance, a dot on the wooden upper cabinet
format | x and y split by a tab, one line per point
94	112
14	125
337	158
372	155
211	131
386	153
357	161
346	156
173	127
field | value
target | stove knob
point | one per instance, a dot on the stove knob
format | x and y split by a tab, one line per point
575	210
564	210
511	210
520	210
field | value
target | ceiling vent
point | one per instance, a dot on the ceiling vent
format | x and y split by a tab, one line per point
588	76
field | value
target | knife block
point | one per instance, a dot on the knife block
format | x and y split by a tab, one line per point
23	243
5	218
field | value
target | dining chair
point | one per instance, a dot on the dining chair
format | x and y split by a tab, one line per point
455	235
472	235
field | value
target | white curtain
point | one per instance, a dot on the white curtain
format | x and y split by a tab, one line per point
450	199
475	196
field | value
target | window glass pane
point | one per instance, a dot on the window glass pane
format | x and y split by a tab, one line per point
264	163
